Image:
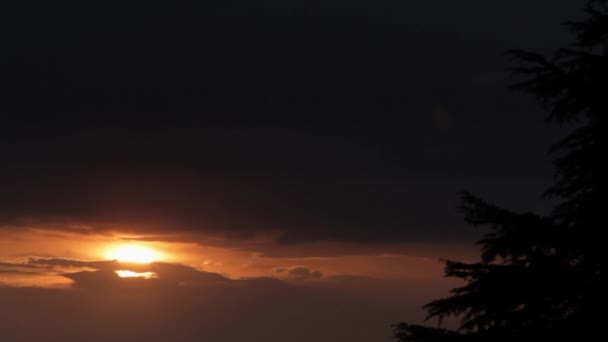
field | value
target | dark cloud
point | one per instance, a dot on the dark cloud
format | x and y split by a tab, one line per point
103	280
16	265
51	262
300	273
24	270
104	274
345	121
10	271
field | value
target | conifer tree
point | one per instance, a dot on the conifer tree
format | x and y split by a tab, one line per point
542	277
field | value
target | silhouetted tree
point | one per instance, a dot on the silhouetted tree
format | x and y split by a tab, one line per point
542	277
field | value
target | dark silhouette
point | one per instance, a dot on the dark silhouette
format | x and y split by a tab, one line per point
542	277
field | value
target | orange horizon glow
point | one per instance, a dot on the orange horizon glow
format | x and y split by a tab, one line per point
235	259
133	253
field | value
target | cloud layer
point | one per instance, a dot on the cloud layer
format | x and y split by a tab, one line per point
342	121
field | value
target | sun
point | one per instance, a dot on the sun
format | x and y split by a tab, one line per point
133	253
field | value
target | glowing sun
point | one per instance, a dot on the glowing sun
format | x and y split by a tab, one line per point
133	253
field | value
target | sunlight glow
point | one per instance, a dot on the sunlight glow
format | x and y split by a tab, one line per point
133	253
131	274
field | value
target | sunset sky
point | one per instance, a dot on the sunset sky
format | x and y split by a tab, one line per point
254	170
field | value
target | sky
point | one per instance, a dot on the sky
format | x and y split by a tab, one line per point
268	169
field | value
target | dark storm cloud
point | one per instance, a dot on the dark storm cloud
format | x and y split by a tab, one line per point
340	120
